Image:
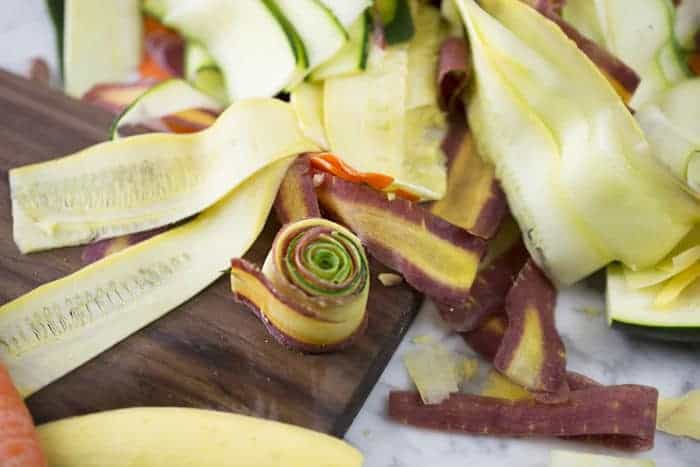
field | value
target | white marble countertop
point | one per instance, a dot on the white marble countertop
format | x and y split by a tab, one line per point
593	349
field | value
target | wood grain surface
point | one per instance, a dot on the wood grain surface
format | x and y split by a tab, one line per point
208	353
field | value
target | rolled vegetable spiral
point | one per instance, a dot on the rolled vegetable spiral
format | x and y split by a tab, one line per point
312	290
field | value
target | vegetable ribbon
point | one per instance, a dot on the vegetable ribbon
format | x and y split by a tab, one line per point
312	290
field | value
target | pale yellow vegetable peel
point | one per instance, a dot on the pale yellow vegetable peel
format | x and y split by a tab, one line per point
146	181
183	437
680	416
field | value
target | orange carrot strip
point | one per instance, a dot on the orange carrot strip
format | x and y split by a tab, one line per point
335	166
19	443
406	195
152	25
149	68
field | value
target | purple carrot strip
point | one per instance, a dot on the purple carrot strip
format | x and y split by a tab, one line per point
488	293
404	236
454	72
98	250
296	198
620	416
474	199
530	308
168	51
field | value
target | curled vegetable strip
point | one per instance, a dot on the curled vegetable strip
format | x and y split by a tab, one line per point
312	290
488	293
474	199
296	198
437	258
147	181
548	120
623	78
532	352
454	71
621	416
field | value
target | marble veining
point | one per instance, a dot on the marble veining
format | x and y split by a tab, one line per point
593	349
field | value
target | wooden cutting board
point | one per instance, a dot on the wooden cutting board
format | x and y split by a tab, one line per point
208	353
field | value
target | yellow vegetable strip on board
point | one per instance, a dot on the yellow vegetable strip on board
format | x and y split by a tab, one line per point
147	181
183	437
60	325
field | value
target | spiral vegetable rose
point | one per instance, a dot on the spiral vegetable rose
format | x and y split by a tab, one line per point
312	290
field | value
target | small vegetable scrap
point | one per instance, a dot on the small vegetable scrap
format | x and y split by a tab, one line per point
618	416
680	416
312	290
435	371
432	255
389	279
19	443
183	437
560	458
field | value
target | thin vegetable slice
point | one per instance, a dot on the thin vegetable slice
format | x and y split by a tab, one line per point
423	55
332	164
454	71
296	198
312	291
532	352
234	33
498	386
560	458
622	415
166	98
116	97
635	309
147	181
434	256
166	49
182	437
671	122
61	325
680	416
307	100
549	159
386	138
98	250
486	339
352	57
474	199
19	443
684	254
102	43
623	78
433	370
488	293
